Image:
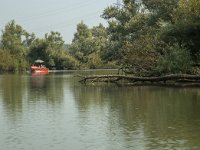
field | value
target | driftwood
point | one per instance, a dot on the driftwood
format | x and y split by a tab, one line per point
175	79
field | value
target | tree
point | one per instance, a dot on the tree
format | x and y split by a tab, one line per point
89	44
7	63
118	30
174	60
38	50
81	45
131	37
161	9
140	56
185	29
186	34
51	50
54	49
189	8
142	34
100	43
16	41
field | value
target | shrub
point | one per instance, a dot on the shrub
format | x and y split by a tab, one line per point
175	59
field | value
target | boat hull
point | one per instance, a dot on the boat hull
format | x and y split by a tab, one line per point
39	70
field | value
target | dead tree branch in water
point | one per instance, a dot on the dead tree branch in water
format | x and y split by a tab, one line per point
176	78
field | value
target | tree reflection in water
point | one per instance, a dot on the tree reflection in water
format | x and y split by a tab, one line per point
155	117
13	92
47	88
98	114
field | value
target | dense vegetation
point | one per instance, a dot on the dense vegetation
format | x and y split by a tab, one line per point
148	37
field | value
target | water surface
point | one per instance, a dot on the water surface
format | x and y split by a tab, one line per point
56	112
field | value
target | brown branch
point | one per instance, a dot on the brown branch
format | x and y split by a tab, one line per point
115	78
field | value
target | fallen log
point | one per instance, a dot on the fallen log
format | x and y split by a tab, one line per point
115	78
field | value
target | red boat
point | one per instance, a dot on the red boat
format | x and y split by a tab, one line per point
39	68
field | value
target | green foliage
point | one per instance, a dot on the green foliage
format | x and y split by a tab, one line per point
185	29
82	43
145	37
161	9
175	59
15	39
19	48
100	43
54	41
51	50
94	60
189	8
187	34
38	50
7	63
120	31
15	42
140	56
139	39
89	45
66	61
54	48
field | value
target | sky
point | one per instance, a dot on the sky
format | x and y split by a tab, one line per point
44	16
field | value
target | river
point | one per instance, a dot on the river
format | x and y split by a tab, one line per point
56	112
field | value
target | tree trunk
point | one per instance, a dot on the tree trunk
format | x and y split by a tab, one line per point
179	79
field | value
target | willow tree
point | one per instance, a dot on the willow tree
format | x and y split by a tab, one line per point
185	29
118	31
51	50
128	43
81	45
16	41
144	34
99	44
160	9
89	44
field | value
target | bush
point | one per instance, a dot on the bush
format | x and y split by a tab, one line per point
7	63
66	61
175	59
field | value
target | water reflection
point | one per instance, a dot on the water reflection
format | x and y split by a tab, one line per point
48	88
19	90
13	89
39	81
151	117
56	112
